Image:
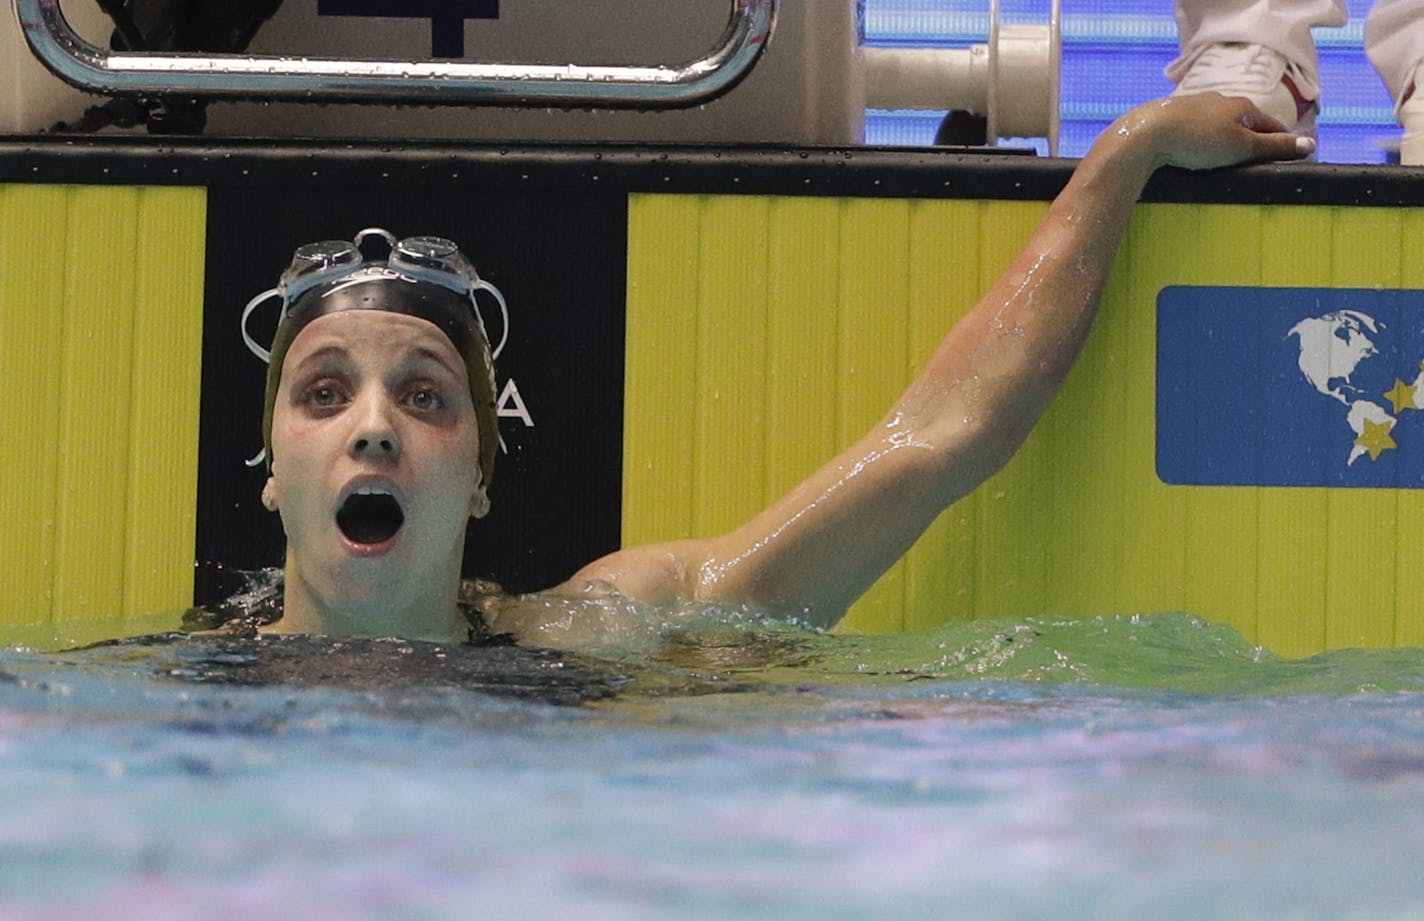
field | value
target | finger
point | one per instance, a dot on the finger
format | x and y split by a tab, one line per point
1269	139
1273	141
1258	121
1282	146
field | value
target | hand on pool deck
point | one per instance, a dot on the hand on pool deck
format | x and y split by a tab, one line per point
818	548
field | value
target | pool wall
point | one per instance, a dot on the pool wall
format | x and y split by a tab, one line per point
100	334
736	314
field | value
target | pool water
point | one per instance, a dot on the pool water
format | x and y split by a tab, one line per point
1124	767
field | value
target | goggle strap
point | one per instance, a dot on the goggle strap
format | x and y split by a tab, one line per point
481	284
251	343
260	352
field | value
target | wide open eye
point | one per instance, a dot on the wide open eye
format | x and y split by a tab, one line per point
323	393
425	399
324	396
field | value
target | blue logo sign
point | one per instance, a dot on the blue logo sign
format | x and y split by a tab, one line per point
447	17
1290	387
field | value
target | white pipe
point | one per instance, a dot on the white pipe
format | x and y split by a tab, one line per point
1013	80
928	78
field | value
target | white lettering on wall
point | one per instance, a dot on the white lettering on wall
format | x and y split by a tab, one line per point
510	404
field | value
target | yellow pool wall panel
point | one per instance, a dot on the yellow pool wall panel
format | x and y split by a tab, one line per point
100	353
848	297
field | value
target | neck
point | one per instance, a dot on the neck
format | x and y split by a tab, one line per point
418	609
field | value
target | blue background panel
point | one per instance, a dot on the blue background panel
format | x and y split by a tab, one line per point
1113	56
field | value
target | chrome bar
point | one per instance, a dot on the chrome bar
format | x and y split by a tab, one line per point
420	82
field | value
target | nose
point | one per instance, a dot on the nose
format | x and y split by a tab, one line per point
374	436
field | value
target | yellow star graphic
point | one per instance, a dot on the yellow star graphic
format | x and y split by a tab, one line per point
1375	438
1401	395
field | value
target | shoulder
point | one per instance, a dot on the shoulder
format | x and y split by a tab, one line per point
607	597
655	574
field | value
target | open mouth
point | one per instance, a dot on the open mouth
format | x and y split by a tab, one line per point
369	516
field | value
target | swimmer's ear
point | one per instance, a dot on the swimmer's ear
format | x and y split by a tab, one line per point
479	503
269	496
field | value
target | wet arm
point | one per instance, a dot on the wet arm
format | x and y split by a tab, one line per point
815	550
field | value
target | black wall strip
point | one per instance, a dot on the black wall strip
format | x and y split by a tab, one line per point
619	168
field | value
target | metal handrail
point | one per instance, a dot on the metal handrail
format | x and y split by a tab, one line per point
303	79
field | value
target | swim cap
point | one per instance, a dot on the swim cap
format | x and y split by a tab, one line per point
425	277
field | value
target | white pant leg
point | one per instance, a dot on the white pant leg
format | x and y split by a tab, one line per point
1282	25
1394	41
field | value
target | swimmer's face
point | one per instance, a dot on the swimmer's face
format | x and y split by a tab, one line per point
375	460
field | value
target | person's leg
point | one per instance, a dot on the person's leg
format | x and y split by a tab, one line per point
1258	49
1282	27
1394	41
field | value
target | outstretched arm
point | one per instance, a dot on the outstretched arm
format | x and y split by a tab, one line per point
818	548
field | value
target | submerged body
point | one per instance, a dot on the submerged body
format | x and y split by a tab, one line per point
812	552
1119	767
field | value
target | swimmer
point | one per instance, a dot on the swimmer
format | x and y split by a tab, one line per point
380	424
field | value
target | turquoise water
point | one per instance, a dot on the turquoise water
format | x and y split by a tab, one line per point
1117	768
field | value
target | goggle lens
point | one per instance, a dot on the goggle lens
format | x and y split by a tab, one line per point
439	255
318	257
432	250
314	262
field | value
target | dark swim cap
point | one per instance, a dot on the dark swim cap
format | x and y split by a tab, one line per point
412	290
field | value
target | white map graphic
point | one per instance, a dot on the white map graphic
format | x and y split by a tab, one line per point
1332	348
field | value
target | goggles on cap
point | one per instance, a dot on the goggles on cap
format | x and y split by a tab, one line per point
430	259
